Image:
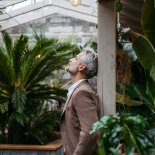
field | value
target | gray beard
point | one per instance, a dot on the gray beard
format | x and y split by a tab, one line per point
70	71
67	69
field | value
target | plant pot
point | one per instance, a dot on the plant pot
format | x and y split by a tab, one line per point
53	148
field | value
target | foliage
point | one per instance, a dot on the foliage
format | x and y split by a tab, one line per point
128	131
137	97
146	54
23	67
147	20
92	44
119	6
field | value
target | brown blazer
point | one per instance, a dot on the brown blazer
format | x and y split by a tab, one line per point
80	111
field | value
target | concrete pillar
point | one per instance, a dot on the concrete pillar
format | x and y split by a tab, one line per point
106	81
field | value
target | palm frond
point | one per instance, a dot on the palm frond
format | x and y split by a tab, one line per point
37	61
19	51
7	43
6	76
19	99
17	117
45	122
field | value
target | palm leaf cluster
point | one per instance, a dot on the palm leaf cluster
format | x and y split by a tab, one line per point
23	65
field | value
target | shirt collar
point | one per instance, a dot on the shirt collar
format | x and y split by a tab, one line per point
72	87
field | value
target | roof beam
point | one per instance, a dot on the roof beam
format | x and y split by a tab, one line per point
4	3
24	10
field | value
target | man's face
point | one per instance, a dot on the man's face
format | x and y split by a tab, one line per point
73	65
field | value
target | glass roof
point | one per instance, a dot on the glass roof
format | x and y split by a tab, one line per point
6	3
17	12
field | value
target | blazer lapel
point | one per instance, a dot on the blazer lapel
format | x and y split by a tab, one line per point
66	103
68	99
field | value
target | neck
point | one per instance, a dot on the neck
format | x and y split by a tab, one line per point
76	78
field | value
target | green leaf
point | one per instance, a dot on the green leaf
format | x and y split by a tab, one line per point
18	117
19	99
119	6
128	130
144	51
147	20
7	43
152	72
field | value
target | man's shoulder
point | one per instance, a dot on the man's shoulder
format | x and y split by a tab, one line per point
85	87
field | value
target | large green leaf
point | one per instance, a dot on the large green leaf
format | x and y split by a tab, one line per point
146	55
144	51
152	72
147	20
127	130
133	95
150	90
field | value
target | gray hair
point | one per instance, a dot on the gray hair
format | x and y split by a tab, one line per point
91	60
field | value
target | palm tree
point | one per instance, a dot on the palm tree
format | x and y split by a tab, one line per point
22	68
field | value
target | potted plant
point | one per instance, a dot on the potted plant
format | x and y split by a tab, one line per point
23	67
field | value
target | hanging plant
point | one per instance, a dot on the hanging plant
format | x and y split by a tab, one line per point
123	67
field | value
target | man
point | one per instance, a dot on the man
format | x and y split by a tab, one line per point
81	109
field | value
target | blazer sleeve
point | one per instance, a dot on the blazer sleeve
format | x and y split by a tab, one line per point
86	107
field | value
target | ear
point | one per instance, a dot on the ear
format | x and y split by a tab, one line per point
82	67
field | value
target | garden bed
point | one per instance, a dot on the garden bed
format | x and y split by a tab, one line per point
53	148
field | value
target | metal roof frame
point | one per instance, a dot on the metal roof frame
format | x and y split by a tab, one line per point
7	3
41	10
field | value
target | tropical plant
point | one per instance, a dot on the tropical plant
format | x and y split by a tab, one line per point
23	67
139	93
136	96
142	89
146	54
123	133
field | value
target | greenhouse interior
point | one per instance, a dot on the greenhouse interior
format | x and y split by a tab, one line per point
55	99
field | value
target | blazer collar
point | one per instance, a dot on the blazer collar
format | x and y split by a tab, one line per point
72	87
68	99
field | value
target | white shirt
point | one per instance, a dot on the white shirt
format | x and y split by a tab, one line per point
72	87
